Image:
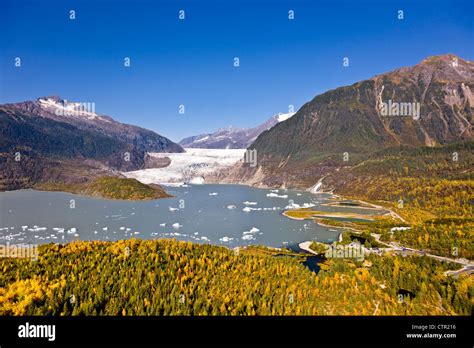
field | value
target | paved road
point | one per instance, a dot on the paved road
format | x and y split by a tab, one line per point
469	269
468	266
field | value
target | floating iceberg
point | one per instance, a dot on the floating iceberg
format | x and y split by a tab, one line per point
35	228
248	209
252	230
297	206
271	194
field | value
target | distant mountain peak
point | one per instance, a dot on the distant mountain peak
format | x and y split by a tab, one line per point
448	64
447	67
447	58
55	98
230	128
233	137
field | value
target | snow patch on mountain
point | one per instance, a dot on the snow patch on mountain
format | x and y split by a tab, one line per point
283	117
70	109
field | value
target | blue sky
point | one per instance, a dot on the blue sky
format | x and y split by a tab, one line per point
282	62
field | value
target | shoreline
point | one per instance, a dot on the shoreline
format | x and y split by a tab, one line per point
350	206
305	246
87	196
313	215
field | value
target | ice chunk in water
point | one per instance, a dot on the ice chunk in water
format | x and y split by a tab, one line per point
271	194
248	237
252	230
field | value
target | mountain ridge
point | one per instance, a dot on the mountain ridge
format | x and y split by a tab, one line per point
78	115
349	121
232	137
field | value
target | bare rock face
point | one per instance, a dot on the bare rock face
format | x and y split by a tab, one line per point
429	104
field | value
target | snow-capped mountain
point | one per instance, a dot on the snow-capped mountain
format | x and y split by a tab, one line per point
233	137
84	117
68	142
62	107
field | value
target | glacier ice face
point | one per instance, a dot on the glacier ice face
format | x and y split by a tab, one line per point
191	166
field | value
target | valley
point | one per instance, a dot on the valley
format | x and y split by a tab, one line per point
194	219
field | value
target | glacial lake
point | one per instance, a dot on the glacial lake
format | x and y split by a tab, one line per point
230	215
